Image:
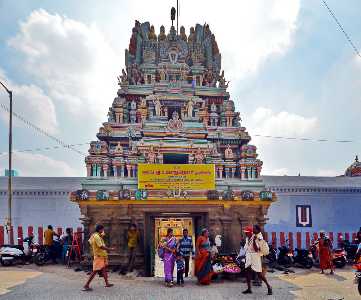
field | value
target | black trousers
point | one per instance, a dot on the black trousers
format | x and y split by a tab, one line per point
180	276
186	263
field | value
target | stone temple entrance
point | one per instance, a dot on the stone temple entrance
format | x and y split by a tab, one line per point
161	227
157	229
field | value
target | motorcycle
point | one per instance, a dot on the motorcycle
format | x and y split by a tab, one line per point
285	256
339	258
44	254
14	254
350	248
303	258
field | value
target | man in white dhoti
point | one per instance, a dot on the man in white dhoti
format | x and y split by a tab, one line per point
253	260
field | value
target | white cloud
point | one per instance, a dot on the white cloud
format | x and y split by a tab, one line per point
265	121
275	172
328	172
29	164
74	62
32	103
78	65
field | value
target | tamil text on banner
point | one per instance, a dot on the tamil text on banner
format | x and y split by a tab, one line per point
171	176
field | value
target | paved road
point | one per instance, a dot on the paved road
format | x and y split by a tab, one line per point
55	282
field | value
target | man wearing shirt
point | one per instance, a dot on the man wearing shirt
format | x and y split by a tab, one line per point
48	242
185	247
100	256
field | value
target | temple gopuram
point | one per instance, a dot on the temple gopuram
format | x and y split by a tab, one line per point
173	152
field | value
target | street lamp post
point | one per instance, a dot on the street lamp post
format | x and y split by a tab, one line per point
10	193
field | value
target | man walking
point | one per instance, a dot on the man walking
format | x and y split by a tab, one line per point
253	260
185	246
100	260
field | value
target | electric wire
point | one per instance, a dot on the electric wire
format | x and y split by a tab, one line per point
42	131
348	38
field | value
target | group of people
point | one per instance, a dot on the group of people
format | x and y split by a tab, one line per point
58	248
178	253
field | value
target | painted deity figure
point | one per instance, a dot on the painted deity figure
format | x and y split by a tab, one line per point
158	107
198	157
175	124
151	35
152	156
118	149
192	35
189	108
183	35
123	79
162	36
228	153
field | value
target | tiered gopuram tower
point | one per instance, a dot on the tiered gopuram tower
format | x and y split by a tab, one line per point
172	109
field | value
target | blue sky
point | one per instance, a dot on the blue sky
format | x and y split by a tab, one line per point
292	74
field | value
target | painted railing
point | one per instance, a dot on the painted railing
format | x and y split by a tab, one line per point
277	239
18	235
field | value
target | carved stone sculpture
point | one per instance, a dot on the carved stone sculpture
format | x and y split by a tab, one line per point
228	153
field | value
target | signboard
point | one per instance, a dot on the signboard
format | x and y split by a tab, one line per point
176	176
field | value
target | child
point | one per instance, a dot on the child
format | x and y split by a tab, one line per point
180	268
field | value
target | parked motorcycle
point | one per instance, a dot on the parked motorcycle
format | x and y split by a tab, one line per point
350	248
339	258
44	254
303	258
285	256
14	254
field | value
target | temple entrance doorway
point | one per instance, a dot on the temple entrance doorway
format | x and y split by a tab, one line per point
161	227
156	228
175	158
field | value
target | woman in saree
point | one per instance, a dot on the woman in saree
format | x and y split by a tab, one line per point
325	253
169	244
203	267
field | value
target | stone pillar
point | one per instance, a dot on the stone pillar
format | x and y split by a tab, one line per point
249	173
128	169
221	172
233	171
227	244
122	170
253	172
88	170
105	170
94	170
226	171
115	171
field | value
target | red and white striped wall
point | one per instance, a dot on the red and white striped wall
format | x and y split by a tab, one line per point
18	234
277	239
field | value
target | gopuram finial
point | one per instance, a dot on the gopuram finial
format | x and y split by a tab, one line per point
172	14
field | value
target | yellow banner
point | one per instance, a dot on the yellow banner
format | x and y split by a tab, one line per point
170	177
